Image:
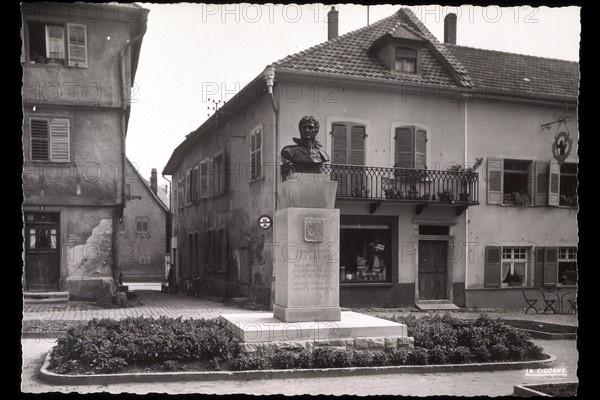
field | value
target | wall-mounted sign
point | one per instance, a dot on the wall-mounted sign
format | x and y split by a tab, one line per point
264	221
561	147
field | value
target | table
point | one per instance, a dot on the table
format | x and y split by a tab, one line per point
559	297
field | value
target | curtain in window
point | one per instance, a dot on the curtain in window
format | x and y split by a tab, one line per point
53	238
32	238
520	269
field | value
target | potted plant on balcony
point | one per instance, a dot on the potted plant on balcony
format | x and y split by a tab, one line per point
521	198
446	195
465	195
513	279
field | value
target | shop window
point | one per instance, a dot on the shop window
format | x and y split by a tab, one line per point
365	253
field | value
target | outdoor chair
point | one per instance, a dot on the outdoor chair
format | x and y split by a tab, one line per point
549	303
530	302
573	307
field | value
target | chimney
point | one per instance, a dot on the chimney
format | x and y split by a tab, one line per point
332	23
450	28
153	181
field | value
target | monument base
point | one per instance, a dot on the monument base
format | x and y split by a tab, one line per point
306	314
263	328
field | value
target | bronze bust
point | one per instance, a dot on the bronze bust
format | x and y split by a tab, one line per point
307	152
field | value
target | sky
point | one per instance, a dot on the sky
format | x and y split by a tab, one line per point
195	52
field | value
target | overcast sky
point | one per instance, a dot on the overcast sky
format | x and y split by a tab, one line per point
190	48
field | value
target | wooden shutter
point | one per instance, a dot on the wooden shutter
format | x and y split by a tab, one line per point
204	180
492	276
188	187
357	145
77	45
550	266
256	154
405	147
538	268
223	174
339	144
210	250
420	149
495	180
194	185
40	147
542	171
209	178
59	140
554	184
180	193
55	41
222	265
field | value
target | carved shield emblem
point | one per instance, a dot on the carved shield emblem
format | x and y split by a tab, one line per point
314	229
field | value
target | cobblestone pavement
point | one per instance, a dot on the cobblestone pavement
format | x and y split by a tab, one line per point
151	303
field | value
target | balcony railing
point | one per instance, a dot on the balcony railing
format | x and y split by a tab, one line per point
401	184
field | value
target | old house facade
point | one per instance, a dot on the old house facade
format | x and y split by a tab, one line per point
79	63
143	230
398	111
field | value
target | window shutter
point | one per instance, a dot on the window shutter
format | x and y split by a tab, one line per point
223	250
180	193
204	180
256	154
405	147
542	170
492	266
55	41
339	143
194	178
222	174
550	266
40	150
77	45
59	140
188	187
554	184
209	178
538	268
495	180
420	149
210	250
357	145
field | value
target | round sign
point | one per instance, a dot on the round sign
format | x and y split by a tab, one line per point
264	222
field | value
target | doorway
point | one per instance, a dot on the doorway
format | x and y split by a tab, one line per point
433	270
42	251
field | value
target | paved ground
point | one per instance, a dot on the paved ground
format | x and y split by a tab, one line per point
155	303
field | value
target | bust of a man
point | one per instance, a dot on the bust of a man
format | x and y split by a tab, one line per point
307	151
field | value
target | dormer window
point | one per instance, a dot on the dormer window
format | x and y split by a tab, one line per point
406	60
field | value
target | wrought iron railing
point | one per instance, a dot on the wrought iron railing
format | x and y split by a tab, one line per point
412	185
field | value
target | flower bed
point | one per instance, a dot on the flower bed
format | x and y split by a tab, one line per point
540	326
167	344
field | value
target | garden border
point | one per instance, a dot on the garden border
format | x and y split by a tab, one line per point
187	376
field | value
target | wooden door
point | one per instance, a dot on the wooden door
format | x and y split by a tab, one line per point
42	252
433	270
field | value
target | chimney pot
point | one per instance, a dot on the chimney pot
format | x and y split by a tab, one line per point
153	181
332	23
450	28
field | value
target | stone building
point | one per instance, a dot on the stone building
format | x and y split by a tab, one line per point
402	116
79	63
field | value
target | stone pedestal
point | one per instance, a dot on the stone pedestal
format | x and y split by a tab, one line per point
307	265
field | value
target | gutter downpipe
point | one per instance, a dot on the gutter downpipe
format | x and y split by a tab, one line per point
123	135
466	97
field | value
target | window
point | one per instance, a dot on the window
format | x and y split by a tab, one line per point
194	185
568	185
57	43
365	252
411	147
514	263
188	187
210	250
506	266
256	154
219	174
567	265
49	139
180	193
221	250
141	225
205	169
516	182
406	60
348	143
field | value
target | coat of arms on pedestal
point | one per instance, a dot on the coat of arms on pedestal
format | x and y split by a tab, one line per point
314	229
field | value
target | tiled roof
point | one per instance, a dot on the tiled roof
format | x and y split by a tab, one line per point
498	70
348	55
442	64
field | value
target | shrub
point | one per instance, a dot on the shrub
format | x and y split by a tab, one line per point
499	352
419	356
438	355
362	359
290	359
326	357
481	354
244	363
516	353
169	365
399	357
460	355
380	358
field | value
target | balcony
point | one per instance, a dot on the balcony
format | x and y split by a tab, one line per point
419	187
